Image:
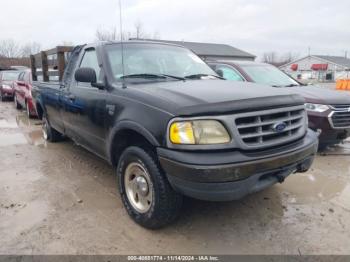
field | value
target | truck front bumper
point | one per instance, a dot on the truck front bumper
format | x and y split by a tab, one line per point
230	175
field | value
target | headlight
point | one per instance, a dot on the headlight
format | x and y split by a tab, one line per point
6	87
198	132
316	107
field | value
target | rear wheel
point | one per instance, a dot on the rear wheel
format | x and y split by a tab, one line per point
17	105
146	193
49	133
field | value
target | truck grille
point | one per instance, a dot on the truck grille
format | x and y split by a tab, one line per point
341	107
270	127
340	117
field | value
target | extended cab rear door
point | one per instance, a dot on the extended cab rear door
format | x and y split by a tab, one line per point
84	109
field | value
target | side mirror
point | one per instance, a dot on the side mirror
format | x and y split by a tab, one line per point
220	72
85	75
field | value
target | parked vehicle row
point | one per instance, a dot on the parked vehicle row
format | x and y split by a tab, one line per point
172	127
7	79
16	85
328	110
23	93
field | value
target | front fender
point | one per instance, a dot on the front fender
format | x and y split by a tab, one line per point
129	125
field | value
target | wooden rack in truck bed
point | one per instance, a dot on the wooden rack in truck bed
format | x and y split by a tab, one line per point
49	65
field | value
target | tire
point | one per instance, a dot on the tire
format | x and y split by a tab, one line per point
163	206
17	105
29	115
49	133
2	98
322	147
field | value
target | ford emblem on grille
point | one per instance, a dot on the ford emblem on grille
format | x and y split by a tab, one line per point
279	127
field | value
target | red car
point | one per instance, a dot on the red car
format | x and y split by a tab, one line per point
23	93
7	79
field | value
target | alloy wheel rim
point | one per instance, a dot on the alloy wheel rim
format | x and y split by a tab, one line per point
138	187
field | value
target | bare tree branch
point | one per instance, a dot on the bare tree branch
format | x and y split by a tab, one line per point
110	35
9	49
275	59
139	30
30	49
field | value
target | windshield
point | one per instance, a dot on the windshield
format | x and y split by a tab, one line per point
269	75
144	60
10	76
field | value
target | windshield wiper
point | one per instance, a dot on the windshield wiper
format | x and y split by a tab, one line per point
199	76
147	76
291	85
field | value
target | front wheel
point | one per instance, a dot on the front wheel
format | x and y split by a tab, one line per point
29	115
146	193
17	105
2	98
49	133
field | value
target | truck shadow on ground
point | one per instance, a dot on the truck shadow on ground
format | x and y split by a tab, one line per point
195	214
269	206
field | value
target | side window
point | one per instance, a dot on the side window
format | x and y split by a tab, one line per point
21	77
90	60
230	73
27	77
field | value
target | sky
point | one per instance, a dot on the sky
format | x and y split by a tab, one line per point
256	26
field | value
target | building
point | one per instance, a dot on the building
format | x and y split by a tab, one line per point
7	63
320	68
208	51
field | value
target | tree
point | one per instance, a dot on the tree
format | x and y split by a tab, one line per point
276	59
139	34
269	57
105	35
30	49
9	49
112	35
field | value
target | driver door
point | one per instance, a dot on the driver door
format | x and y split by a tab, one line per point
86	114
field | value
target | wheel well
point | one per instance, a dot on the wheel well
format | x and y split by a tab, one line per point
126	138
39	110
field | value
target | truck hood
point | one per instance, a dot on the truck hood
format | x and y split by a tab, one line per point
320	95
194	97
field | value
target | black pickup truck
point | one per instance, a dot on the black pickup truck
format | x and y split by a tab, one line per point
172	127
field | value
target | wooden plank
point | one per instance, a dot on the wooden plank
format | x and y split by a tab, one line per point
51	51
37	58
59	49
64	49
51	59
61	64
33	68
45	66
